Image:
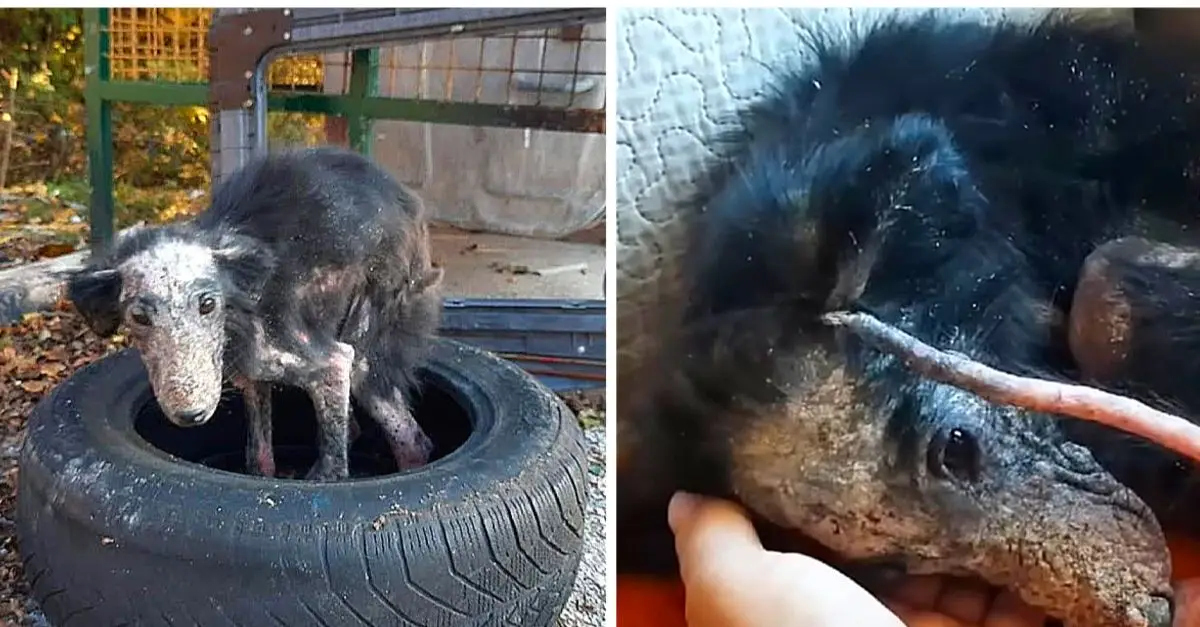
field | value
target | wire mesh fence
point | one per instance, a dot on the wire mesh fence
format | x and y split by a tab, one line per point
405	100
171	45
552	67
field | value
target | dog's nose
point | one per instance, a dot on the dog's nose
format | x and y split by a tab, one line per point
1160	612
192	416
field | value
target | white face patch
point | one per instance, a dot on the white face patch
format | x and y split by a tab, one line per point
166	268
175	312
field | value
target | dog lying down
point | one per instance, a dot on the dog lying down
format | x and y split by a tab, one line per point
310	268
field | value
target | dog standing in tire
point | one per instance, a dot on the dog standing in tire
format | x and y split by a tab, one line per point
308	268
113	531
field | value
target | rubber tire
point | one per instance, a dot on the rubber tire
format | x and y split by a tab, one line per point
115	532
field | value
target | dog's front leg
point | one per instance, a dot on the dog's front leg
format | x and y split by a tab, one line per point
329	388
409	443
260	456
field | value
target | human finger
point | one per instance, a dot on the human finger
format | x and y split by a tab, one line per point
966	600
921	616
711	535
919	591
1008	610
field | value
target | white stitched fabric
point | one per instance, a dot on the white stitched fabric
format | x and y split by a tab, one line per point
680	73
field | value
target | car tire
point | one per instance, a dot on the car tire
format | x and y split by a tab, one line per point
116	531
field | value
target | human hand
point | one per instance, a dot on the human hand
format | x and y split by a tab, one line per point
732	581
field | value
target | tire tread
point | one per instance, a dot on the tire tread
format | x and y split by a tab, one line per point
509	556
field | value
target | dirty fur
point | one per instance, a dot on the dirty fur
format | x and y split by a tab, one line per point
950	179
310	268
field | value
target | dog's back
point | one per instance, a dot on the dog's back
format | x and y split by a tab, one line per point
350	250
316	206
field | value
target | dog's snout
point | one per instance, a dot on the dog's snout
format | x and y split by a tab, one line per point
192	416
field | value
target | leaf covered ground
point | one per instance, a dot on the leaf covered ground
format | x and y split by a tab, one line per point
35	355
44	220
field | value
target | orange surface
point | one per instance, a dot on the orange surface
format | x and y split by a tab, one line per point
658	602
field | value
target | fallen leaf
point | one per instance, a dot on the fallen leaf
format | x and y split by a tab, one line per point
36	386
55	250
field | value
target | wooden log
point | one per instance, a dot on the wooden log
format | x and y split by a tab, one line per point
36	286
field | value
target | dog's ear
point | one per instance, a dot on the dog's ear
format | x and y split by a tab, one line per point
244	260
430	278
95	291
235	248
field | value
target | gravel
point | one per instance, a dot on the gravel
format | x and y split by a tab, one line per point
585	607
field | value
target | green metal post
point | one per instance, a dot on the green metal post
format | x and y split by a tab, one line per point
101	219
364	83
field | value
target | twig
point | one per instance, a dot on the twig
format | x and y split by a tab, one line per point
570	267
1077	401
8	197
11	106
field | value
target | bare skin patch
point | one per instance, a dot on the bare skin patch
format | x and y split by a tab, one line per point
408	442
1101	326
259	452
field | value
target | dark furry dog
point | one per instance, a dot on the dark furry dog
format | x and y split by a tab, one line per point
949	178
310	268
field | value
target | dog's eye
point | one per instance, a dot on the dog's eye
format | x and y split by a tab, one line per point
954	453
139	316
207	304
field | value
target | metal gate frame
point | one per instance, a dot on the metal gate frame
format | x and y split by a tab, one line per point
241	47
560	342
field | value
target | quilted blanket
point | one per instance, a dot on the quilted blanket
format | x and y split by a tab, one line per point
681	72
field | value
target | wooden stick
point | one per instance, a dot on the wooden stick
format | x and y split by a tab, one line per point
1053	397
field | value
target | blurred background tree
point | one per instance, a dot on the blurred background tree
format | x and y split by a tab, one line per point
157	150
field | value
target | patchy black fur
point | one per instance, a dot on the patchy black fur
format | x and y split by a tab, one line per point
992	158
328	208
279	227
95	290
964	171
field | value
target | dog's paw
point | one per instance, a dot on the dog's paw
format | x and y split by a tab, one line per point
324	472
415	453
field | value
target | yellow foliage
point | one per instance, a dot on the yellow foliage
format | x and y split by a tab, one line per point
171	44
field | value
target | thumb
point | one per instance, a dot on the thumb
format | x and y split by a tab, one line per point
712	536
